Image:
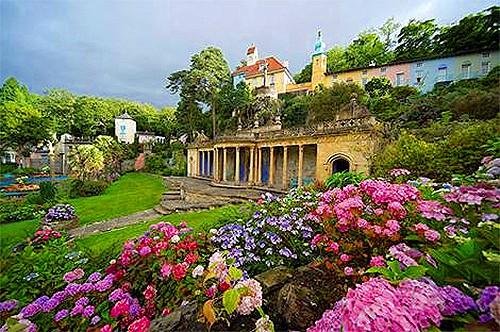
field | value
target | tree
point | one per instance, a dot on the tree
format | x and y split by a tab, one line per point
200	84
366	49
305	75
23	126
86	162
416	40
473	32
326	103
336	59
387	30
111	151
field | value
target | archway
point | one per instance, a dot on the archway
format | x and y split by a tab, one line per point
339	162
340	165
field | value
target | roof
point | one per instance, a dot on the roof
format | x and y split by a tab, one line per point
273	65
124	116
251	50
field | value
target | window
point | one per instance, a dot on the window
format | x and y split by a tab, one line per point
466	70
255	81
486	54
485	67
419	64
383	69
364	72
442	71
400	79
271	80
420	76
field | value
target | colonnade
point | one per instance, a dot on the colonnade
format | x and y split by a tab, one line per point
246	164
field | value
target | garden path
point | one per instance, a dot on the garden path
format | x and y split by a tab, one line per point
201	194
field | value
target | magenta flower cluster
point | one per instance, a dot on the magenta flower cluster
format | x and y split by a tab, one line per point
376	305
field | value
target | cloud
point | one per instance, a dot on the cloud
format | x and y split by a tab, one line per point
128	48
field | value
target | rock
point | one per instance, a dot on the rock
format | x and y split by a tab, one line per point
274	279
297	305
184	318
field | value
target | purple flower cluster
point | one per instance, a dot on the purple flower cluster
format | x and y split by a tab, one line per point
486	298
8	305
473	195
277	233
59	212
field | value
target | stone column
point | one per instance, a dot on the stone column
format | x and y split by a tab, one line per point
237	166
271	166
285	167
216	165
259	167
224	165
201	163
301	164
250	173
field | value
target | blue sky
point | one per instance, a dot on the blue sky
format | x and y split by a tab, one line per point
126	49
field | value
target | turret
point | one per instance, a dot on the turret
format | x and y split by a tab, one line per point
252	55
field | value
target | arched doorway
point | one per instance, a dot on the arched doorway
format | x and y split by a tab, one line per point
340	165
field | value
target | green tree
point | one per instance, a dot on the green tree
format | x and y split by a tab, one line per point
326	103
295	110
200	84
416	39
23	126
473	32
366	49
304	75
387	32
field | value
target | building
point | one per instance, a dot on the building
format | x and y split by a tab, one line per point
268	76
276	158
125	128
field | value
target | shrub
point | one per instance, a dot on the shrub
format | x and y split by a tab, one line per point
340	180
12	210
87	188
60	216
48	191
8	168
276	234
154	274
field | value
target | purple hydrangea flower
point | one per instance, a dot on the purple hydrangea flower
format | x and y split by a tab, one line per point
82	301
94	277
50	305
76	310
61	314
88	311
87	288
95	320
30	310
8	305
72	289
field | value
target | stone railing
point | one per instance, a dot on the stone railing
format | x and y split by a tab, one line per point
323	128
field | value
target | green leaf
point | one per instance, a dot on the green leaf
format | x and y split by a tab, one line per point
414	272
230	300
394	265
235	273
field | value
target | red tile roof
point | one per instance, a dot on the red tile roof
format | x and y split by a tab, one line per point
273	64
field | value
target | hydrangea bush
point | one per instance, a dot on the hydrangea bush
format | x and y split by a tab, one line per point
376	305
154	274
60	216
276	234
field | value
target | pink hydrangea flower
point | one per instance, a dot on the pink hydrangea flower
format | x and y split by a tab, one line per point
165	270
377	261
349	271
251	299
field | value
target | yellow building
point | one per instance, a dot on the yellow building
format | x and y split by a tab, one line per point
268	74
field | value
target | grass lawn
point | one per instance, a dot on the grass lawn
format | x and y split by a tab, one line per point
133	192
13	233
201	220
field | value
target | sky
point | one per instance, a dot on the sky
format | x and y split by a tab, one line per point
126	49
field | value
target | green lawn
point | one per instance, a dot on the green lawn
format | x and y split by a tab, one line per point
133	192
13	233
201	220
